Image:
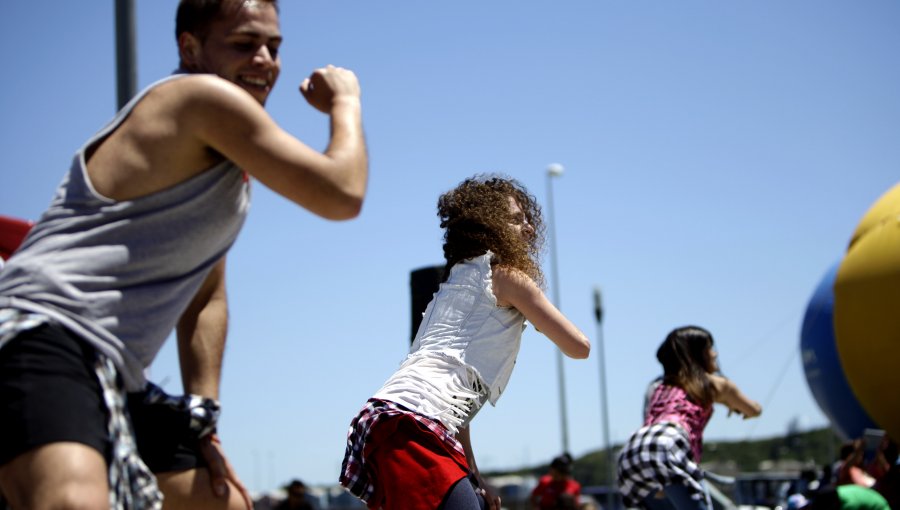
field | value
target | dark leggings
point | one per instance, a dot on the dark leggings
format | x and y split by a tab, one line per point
462	496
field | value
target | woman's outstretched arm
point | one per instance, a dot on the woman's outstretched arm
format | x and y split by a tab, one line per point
729	394
514	288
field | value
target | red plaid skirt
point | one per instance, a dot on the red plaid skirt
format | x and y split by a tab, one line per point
406	464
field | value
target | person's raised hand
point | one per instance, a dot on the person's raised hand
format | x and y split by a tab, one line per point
329	85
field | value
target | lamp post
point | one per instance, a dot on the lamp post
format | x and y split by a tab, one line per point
604	400
126	60
555	170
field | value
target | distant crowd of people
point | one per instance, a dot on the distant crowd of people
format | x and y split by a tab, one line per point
864	477
296	497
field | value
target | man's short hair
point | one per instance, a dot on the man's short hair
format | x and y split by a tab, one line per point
296	483
563	464
195	16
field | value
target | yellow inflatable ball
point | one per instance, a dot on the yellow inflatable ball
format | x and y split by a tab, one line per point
867	312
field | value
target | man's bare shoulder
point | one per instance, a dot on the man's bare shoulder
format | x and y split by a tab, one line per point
199	90
196	107
172	133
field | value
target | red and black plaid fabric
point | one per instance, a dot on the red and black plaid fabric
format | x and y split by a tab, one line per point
355	475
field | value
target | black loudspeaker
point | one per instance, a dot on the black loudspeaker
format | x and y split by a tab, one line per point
423	283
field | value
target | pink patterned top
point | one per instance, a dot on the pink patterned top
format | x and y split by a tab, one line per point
672	404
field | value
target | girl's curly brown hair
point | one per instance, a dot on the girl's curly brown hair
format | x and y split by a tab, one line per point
475	217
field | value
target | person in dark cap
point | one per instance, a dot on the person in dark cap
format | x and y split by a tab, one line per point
296	497
557	487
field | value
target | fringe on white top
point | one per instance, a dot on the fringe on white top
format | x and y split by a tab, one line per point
438	386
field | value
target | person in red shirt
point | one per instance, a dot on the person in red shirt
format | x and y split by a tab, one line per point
557	490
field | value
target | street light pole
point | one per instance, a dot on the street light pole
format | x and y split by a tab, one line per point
126	60
604	400
555	170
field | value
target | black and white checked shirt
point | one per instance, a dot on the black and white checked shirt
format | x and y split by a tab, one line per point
656	456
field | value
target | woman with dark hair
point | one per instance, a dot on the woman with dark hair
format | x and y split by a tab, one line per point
409	447
659	466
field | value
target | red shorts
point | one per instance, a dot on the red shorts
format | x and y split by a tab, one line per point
411	467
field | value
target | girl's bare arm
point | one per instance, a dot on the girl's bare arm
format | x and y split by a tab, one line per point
514	288
729	394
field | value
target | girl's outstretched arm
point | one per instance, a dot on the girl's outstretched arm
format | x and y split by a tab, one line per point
514	288
727	393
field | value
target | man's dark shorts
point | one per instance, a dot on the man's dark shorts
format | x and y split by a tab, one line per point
49	393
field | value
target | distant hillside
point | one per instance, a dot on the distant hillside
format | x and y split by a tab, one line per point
792	452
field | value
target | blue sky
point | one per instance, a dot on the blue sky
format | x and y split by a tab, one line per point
718	155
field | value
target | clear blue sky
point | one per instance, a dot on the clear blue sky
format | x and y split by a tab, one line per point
718	155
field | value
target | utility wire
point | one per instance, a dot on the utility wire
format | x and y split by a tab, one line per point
778	382
756	346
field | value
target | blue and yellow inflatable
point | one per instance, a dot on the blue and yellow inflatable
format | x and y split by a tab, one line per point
851	331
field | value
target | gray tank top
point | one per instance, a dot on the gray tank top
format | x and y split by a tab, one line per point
120	273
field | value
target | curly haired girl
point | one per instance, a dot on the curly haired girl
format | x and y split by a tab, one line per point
409	447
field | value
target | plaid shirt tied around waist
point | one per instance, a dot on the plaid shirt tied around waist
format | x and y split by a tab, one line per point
354	475
656	456
131	484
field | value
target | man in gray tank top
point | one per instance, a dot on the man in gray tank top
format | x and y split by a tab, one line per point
92	293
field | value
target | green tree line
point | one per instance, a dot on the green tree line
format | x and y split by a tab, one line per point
791	452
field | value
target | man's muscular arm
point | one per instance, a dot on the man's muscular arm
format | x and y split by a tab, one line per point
201	332
331	184
201	335
184	127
